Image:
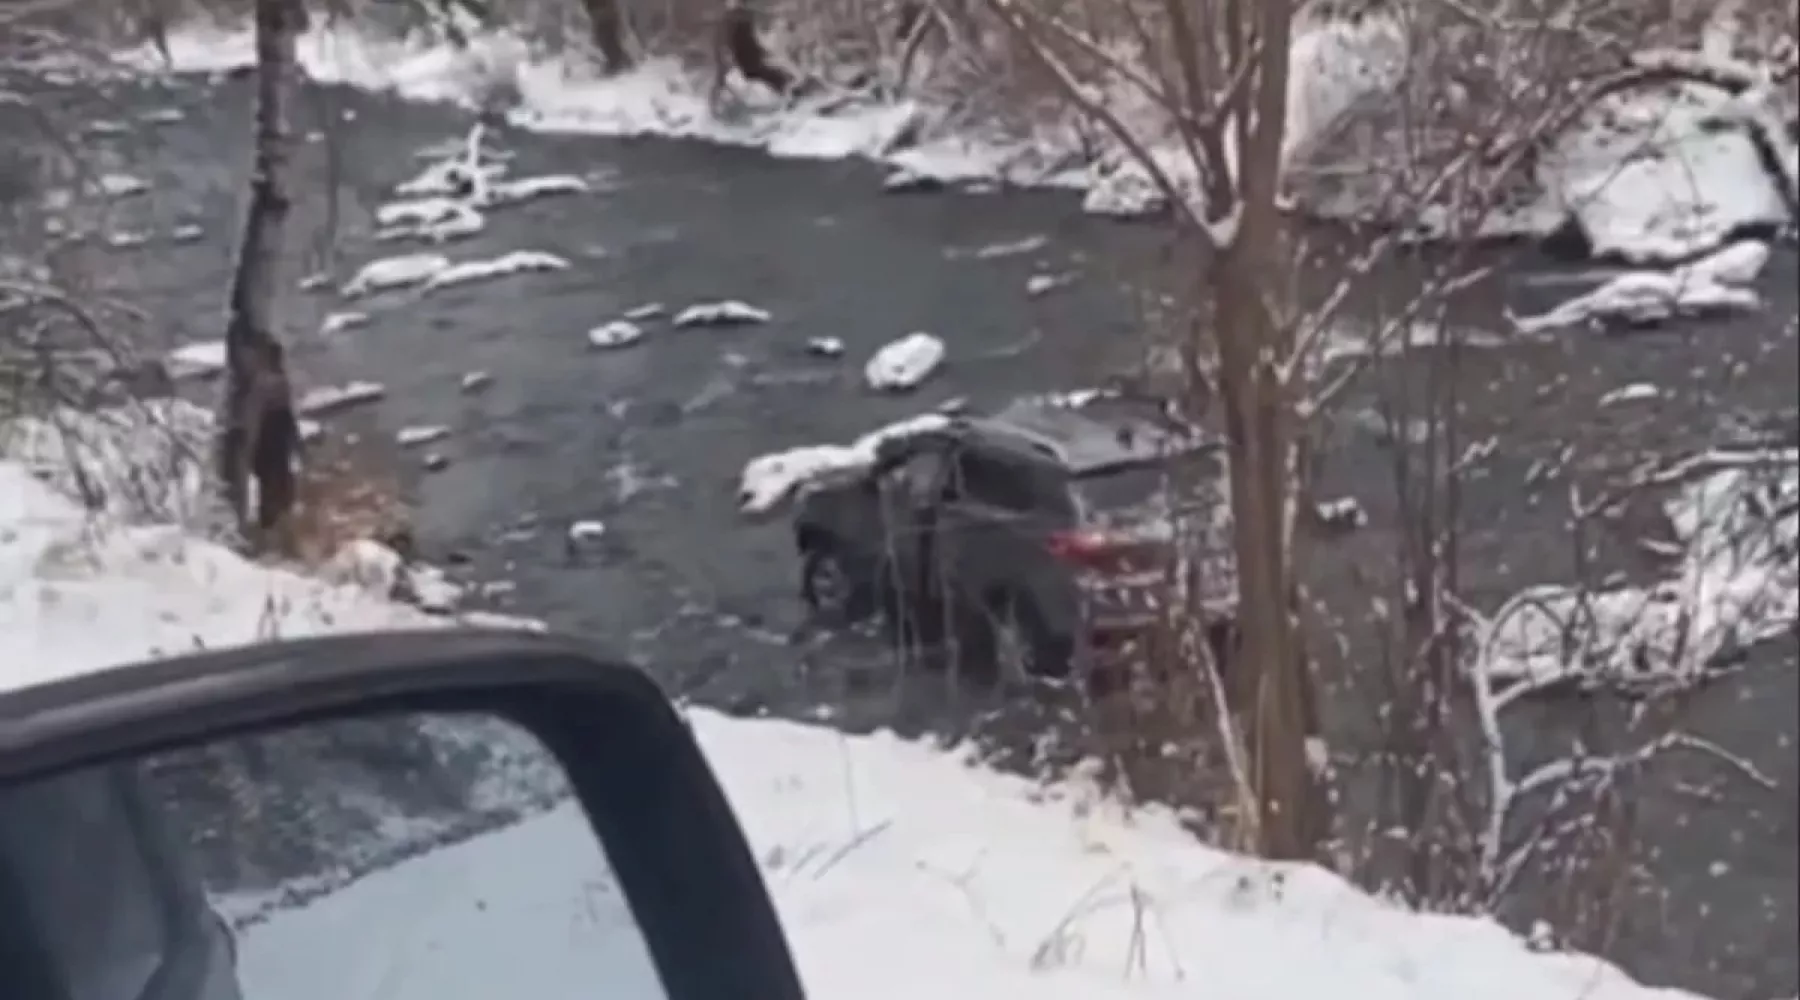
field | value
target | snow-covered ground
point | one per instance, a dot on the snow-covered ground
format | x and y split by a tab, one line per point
899	871
1649	175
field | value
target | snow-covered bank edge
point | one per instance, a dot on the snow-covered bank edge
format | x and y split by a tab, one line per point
898	870
1650	180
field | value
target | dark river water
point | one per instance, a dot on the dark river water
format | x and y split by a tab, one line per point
650	439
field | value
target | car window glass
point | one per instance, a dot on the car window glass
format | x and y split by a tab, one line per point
80	877
984	480
924	477
407	857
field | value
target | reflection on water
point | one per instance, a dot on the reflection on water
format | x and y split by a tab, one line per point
438	858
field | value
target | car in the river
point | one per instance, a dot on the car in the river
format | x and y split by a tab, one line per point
1030	542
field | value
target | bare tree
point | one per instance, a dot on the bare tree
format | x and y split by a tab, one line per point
259	435
606	30
1218	76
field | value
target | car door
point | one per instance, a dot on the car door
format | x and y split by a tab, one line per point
911	494
989	519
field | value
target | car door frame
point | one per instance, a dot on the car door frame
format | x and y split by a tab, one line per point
682	860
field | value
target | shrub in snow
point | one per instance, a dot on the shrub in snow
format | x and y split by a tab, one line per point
141	461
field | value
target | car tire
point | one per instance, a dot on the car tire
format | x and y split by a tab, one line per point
1021	646
831	589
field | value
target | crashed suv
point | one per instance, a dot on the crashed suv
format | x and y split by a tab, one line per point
1036	540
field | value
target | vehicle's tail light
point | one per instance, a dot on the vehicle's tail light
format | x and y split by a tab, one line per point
1091	550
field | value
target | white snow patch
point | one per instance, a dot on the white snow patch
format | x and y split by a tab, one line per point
767	480
145	460
727	312
338	322
825	347
1043	284
121	185
438	220
395	272
618	333
649	310
198	360
501	192
412	437
1650	178
904	363
331	398
584	531
996	251
510	263
1712	284
1632	393
475	381
1644	297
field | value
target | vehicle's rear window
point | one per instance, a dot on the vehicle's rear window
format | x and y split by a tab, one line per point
1129	491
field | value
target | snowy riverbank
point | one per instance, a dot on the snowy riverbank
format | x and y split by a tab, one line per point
1047	894
1649	176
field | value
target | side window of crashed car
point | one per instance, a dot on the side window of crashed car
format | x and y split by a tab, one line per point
88	882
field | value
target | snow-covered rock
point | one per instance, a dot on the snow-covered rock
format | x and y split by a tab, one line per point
1739	263
338	322
475	381
514	262
1643	297
331	398
904	363
649	310
1633	393
1043	284
420	434
618	333
395	272
586	531
825	347
117	185
503	192
727	312
198	360
435	219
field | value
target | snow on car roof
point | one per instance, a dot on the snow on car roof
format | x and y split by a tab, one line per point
1092	438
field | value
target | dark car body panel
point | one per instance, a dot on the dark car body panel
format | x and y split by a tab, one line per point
961	517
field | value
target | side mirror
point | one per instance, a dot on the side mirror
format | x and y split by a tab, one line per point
440	815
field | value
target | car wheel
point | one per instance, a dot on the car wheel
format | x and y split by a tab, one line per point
1023	648
829	588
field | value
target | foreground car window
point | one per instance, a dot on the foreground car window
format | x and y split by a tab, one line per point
402	858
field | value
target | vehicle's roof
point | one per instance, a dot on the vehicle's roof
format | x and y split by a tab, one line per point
1090	438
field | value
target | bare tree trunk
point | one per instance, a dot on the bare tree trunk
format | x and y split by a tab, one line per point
606	28
737	34
259	434
1247	275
